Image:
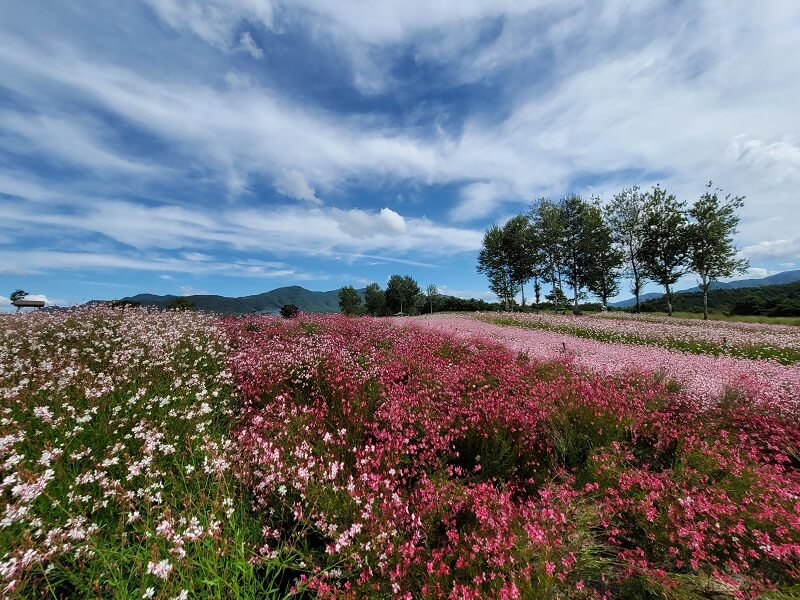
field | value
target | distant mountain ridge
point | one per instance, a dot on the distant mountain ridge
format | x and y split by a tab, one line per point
266	303
776	279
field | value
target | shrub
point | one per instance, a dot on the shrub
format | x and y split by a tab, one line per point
289	311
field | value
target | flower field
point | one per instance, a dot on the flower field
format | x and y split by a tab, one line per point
177	455
779	343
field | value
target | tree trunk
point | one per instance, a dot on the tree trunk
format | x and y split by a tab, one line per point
706	284
669	300
575	297
637	286
705	305
522	289
537	290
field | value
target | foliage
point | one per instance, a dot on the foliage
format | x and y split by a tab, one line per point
625	215
548	223
180	303
375	300
402	294
666	243
494	262
289	311
767	300
349	300
712	254
17	295
432	294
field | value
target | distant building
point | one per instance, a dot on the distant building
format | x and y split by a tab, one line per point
24	303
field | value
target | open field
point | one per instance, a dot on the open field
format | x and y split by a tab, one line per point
181	455
779	343
718	316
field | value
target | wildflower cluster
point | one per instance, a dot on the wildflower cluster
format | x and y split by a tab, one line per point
780	343
402	461
704	377
114	456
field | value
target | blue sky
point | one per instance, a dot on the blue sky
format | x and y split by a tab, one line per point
184	146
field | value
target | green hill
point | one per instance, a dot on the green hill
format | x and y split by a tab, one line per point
775	279
767	300
268	302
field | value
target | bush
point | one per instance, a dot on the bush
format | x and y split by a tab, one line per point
289	311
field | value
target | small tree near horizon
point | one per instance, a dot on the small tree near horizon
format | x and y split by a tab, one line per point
375	300
402	292
432	292
180	303
349	300
712	253
494	262
289	311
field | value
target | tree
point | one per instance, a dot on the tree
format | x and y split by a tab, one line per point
556	297
180	303
17	295
665	247
289	311
494	263
349	300
581	223
519	241
712	253
375	300
607	258
432	292
548	226
626	217
401	293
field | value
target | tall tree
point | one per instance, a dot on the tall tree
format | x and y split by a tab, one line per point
665	247
518	242
712	253
375	300
349	300
607	259
401	293
548	226
626	216
581	221
495	264
432	292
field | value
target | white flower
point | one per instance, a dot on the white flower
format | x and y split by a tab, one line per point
149	592
160	569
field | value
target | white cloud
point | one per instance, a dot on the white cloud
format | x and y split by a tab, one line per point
751	273
213	20
292	184
248	44
775	249
479	200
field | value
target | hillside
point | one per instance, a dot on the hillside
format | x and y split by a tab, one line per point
268	302
776	279
769	300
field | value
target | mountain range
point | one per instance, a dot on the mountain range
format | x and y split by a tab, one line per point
776	279
267	303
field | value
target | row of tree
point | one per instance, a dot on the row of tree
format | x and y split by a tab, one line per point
588	246
402	296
